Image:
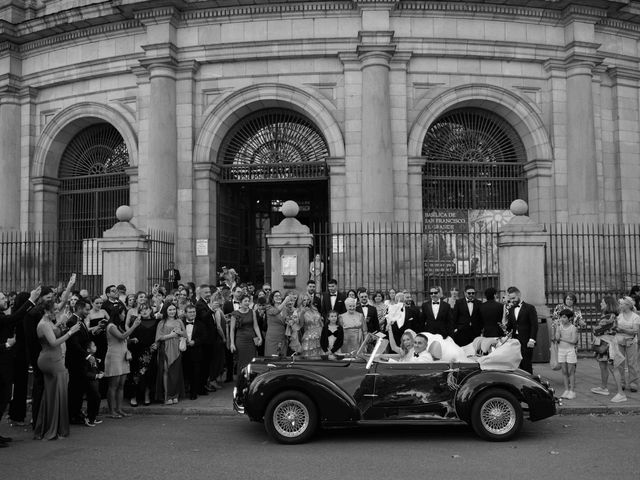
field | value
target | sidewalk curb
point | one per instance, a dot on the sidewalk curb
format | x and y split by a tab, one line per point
600	410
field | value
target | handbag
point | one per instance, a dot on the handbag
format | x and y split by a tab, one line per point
601	348
127	356
183	344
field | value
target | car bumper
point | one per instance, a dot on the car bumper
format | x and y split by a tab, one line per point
238	400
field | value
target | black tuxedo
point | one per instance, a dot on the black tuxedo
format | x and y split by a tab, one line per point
196	359
8	325
75	362
412	320
338	305
524	328
170	278
491	318
114	309
443	324
371	318
466	326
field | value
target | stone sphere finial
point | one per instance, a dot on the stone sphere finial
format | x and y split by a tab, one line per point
290	209
519	207
124	213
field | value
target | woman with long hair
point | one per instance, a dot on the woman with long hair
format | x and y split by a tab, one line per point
310	327
608	355
170	379
404	351
53	417
275	340
144	353
116	363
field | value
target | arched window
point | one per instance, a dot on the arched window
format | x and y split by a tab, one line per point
93	182
474	161
273	144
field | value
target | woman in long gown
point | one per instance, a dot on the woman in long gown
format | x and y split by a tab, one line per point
311	326
169	380
316	270
275	341
353	325
53	417
244	332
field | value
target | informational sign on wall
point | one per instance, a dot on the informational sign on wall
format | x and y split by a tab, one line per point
289	265
462	242
202	247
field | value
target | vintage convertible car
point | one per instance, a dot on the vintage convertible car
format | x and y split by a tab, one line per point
293	396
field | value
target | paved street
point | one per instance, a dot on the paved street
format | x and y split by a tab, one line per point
230	447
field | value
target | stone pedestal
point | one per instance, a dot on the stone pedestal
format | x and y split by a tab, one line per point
521	244
289	244
124	253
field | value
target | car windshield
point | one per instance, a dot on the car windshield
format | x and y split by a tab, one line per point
372	347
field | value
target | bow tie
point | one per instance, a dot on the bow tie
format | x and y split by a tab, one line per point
436	303
333	294
416	355
190	322
236	302
469	301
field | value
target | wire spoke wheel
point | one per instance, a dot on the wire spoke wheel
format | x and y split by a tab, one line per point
498	416
291	418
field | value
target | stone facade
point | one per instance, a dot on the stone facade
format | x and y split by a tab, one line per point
373	75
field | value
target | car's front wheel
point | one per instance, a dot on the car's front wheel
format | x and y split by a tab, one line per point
496	415
291	417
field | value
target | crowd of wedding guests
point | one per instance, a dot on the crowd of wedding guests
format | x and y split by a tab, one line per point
181	341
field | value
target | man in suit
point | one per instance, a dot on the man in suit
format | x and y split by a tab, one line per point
195	366
229	307
74	361
412	318
113	306
369	311
522	322
437	315
171	277
311	291
205	336
332	299
466	317
8	326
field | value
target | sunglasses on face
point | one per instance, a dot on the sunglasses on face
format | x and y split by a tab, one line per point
433	293
471	293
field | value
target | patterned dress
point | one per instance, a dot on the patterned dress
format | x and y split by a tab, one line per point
311	321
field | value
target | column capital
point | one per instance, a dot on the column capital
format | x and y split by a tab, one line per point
42	184
187	69
538	168
161	60
624	75
206	171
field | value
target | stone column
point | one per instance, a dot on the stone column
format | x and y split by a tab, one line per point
582	181
521	245
158	172
375	52
205	176
289	243
124	253
10	161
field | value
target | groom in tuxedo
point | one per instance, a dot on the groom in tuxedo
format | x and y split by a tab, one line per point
437	316
522	322
74	361
332	299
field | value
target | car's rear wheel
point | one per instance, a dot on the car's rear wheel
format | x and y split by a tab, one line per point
496	415
291	417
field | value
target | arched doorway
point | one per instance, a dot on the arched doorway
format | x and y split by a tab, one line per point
93	184
266	158
474	169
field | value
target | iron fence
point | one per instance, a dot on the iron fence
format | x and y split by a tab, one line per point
591	261
161	249
31	258
403	256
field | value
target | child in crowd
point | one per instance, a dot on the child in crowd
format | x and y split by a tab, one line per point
332	336
93	374
566	336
